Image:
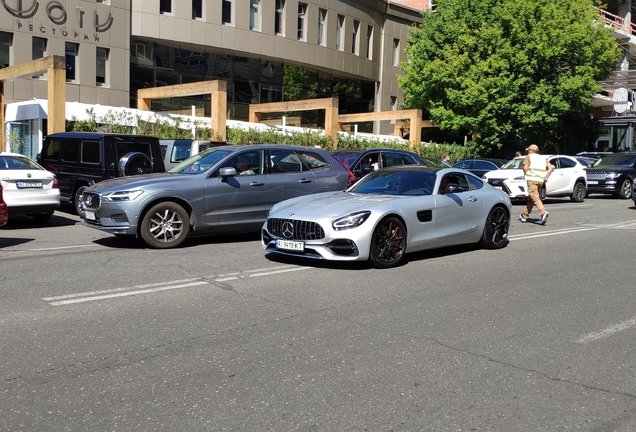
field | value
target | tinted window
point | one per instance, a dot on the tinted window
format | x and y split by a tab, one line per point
282	161
70	150
393	159
410	159
347	159
126	147
17	163
91	152
462	164
484	165
246	163
201	162
474	183
180	151
52	150
368	159
313	160
396	183
566	163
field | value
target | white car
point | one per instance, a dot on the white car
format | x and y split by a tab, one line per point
567	179
28	188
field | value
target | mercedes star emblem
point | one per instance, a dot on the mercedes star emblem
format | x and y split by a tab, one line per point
288	230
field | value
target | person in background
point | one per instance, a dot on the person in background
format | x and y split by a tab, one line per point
536	169
518	154
446	159
243	166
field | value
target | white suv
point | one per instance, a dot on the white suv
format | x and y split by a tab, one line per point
567	179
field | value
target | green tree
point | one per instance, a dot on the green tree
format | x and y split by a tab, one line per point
508	71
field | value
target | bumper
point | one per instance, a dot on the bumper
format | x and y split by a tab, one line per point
515	189
115	219
604	187
335	246
42	201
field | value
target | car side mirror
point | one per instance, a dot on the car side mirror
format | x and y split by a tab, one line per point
226	172
366	168
454	188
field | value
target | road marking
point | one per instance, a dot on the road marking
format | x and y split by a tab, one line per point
164	286
63	247
606	332
549	233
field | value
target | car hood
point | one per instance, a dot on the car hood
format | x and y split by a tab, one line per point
506	174
138	182
610	168
328	204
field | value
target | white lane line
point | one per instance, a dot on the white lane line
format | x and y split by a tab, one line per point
127	293
164	286
549	233
606	332
63	247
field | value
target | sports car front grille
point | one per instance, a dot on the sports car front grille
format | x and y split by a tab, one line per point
91	201
598	175
292	229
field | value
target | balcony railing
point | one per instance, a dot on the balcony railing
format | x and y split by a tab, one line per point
619	23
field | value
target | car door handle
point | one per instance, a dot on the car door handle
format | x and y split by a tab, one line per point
472	198
304	181
257	184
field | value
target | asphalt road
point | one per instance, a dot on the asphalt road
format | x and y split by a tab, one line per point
103	334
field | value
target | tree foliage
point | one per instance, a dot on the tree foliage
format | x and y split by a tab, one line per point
508	71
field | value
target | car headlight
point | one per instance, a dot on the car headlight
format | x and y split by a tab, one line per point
350	221
519	178
612	175
122	196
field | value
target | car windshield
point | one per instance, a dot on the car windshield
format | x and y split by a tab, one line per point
516	163
404	182
615	159
202	161
17	163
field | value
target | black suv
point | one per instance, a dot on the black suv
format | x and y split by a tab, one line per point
612	174
81	159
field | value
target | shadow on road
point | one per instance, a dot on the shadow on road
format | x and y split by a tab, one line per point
26	222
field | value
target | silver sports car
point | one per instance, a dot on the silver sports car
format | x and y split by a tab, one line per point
389	213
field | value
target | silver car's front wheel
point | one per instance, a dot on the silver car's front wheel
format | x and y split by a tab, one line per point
165	225
388	243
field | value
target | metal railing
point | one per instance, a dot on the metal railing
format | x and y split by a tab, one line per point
617	22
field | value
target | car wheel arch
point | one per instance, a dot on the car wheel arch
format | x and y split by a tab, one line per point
183	203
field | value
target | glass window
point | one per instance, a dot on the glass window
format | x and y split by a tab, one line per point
246	163
369	41
302	13
39	47
484	165
197	9
474	183
313	160
392	159
180	151
322	18
165	6
226	11
101	65
462	164
279	18
566	163
354	39
70	150
91	152
410	160
71	51
372	159
339	32
283	161
393	103
6	39
396	52
254	14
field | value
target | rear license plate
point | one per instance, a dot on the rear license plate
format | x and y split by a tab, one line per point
290	245
89	215
592	182
28	184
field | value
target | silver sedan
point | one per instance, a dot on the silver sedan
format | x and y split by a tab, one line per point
389	213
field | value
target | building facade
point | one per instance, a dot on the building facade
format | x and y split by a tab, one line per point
264	49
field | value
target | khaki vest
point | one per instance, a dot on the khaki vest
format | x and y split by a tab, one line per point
537	169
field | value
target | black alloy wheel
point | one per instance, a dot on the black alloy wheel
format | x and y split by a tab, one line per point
496	230
165	225
579	192
388	243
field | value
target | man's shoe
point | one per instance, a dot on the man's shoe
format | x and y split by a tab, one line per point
521	218
544	218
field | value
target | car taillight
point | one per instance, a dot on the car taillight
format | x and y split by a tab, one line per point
352	177
56	185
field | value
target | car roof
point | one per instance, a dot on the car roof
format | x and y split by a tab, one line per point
13	154
359	151
484	159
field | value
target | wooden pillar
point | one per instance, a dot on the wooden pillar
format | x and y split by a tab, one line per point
218	108
415	134
143	104
56	100
331	122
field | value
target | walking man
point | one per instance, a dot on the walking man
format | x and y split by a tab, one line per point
537	169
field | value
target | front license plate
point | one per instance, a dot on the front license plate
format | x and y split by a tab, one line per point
592	182
89	215
28	184
290	245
